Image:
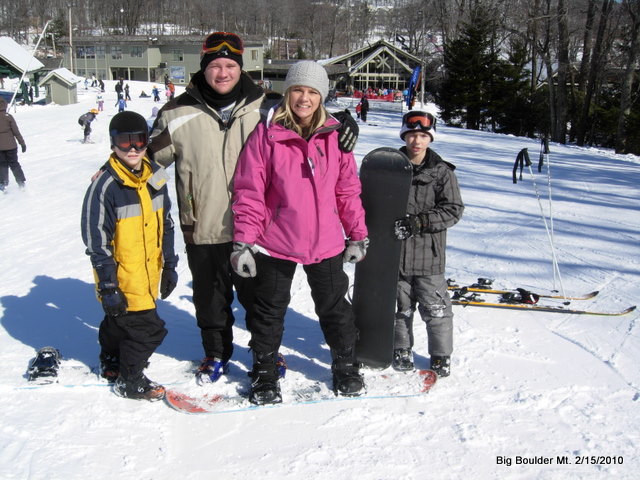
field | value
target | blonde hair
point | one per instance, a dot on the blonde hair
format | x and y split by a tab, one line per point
285	117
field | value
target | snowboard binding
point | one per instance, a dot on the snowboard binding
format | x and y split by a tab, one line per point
44	367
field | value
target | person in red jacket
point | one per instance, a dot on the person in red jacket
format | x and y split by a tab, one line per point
9	133
296	196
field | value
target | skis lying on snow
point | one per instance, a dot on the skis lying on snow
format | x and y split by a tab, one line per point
520	299
395	385
536	308
484	285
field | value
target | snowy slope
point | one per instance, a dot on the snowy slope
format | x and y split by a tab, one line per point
533	386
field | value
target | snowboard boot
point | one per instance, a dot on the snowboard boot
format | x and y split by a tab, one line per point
109	367
347	380
138	387
264	385
211	369
402	360
441	365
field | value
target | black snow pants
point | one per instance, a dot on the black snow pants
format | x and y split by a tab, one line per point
9	160
213	283
329	284
132	338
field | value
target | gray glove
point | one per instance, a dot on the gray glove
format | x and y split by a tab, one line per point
242	260
355	251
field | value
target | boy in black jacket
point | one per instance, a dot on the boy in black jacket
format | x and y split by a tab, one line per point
435	204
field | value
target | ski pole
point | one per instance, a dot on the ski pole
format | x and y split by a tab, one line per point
556	267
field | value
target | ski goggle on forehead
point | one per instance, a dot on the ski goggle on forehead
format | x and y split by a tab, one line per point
424	122
127	141
222	40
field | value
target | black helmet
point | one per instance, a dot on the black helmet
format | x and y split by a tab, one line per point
129	129
127	122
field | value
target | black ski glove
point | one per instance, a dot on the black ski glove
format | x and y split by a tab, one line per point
24	148
168	282
114	303
349	130
409	226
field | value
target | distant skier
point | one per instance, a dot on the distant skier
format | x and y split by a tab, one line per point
151	120
435	204
121	103
85	122
364	108
9	133
100	101
128	230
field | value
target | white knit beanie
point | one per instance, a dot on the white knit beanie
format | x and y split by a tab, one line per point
412	117
308	73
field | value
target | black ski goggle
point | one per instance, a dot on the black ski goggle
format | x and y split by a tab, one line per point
127	141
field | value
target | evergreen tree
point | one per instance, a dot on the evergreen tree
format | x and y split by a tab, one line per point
469	61
510	107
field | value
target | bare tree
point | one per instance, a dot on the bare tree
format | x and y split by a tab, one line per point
597	64
559	133
633	8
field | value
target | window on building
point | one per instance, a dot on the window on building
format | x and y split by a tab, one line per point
100	51
116	53
178	55
254	55
137	51
86	52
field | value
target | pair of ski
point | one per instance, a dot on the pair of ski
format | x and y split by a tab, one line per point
397	385
521	299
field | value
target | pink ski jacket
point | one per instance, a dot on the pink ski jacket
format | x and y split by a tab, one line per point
297	199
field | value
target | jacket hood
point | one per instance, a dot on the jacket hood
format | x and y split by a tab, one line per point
3	105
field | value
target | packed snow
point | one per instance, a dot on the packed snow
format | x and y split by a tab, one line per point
531	395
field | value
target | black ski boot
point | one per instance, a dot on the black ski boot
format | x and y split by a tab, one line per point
44	367
264	387
402	360
109	367
441	365
347	380
138	387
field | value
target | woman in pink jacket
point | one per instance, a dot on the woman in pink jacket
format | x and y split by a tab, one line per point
296	199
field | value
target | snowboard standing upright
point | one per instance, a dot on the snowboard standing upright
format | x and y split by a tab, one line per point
385	175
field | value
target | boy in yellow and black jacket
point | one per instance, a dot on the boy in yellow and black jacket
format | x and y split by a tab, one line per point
128	231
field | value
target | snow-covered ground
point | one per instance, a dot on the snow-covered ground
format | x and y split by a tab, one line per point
527	390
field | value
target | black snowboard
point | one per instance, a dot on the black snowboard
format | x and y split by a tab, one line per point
385	174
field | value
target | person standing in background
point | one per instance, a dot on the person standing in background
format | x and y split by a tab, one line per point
9	133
